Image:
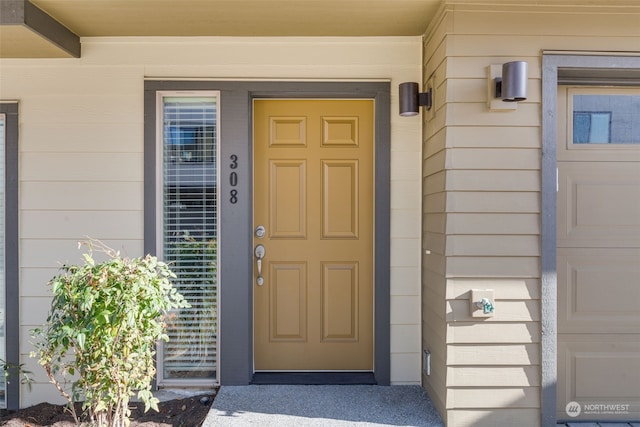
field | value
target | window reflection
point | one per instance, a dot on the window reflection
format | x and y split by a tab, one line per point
606	119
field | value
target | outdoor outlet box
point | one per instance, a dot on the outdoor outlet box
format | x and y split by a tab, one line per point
478	309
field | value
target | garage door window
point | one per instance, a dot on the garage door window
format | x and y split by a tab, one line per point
606	118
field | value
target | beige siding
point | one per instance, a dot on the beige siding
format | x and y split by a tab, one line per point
493	397
434	221
81	153
521	417
517	289
481	199
503	376
479	355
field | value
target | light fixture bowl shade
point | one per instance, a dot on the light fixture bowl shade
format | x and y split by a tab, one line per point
408	95
514	81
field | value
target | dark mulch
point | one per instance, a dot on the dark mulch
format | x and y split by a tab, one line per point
186	412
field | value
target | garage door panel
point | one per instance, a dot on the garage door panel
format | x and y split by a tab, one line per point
605	369
602	291
601	204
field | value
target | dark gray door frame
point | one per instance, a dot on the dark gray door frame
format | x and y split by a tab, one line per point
236	222
11	251
561	68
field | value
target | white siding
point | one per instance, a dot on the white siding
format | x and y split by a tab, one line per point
81	152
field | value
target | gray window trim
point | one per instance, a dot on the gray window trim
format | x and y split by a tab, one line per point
558	69
11	250
236	304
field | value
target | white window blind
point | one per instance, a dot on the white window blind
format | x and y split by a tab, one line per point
189	234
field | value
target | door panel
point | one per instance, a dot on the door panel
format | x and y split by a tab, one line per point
288	299
598	253
605	369
598	295
313	191
288	199
601	207
340	199
340	302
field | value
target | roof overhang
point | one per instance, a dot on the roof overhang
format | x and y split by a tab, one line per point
28	32
53	28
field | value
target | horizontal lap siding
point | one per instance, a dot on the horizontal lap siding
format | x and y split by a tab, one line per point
493	241
482	197
434	221
521	417
81	153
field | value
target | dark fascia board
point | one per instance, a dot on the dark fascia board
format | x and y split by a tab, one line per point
23	12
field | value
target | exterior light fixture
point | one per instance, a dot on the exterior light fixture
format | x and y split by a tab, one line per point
411	100
506	85
512	86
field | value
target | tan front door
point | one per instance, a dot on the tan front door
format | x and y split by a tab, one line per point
598	253
313	194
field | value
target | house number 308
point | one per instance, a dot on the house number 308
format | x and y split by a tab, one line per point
233	179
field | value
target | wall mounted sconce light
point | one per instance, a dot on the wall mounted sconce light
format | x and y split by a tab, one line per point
411	100
512	87
507	83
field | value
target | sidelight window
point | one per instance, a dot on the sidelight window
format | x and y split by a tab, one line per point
188	128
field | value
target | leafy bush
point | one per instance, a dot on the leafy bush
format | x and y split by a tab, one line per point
101	332
193	330
8	369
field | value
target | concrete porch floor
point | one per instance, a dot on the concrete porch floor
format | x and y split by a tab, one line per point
322	405
599	424
314	405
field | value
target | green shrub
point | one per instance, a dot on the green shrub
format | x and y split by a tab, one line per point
8	369
101	332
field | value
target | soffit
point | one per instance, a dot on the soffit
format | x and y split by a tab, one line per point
114	18
242	17
22	33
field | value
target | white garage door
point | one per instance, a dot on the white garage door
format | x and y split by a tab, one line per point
598	253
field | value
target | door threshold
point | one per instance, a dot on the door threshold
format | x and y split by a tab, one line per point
314	378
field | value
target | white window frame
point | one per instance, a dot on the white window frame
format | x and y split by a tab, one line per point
595	90
159	212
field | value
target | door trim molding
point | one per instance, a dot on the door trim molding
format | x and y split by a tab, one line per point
235	359
561	68
11	250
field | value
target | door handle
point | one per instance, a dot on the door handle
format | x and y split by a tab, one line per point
259	253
